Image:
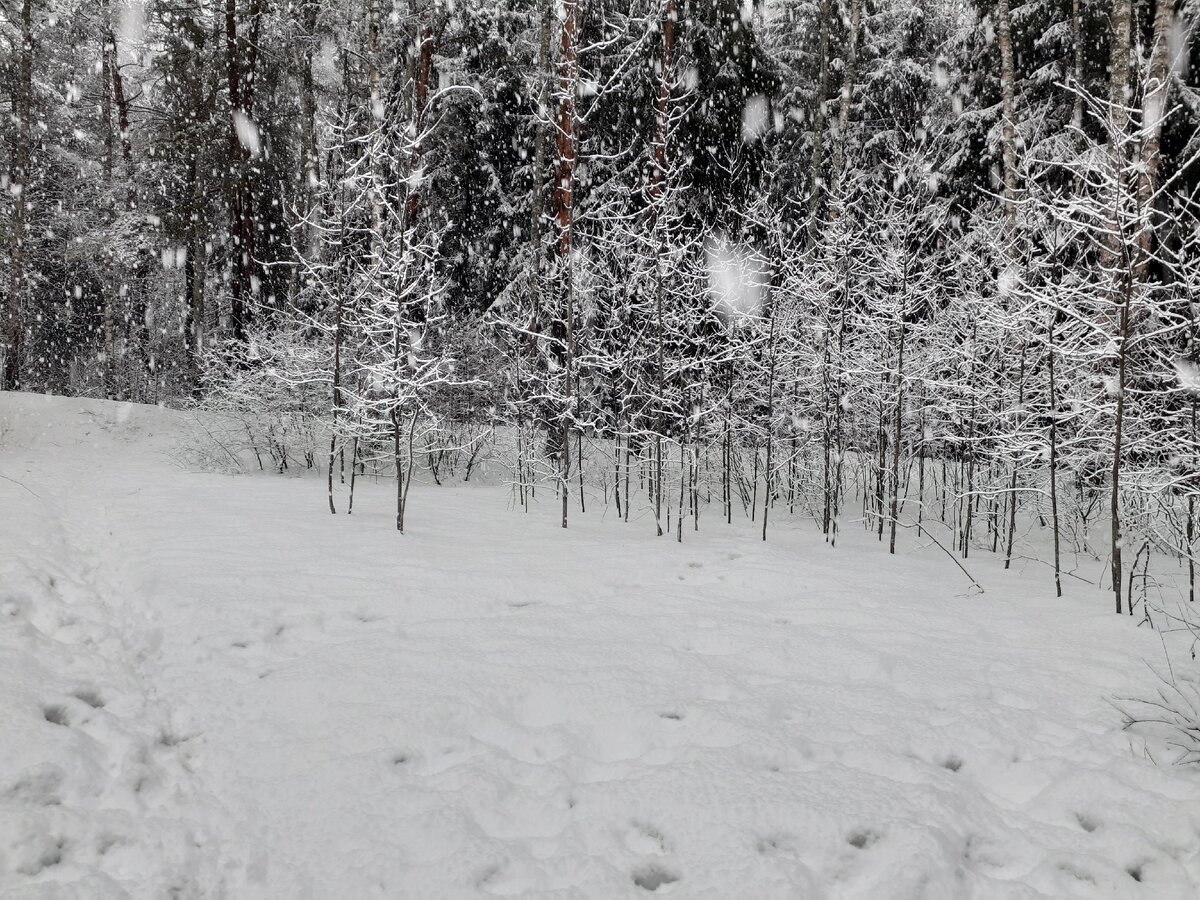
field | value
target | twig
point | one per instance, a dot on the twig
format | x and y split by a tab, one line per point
20	485
926	533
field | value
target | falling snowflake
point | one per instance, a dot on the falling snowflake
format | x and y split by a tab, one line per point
247	132
756	118
1188	374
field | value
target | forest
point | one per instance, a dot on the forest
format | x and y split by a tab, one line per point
918	264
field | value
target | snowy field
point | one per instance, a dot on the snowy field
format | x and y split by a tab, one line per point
210	687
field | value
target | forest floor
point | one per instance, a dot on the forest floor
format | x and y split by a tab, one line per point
210	687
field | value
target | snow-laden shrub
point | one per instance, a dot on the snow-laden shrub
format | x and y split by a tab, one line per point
263	405
1170	717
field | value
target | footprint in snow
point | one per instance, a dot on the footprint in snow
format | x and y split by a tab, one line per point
105	842
1076	872
400	759
38	787
653	876
171	739
952	762
90	696
487	874
771	844
646	839
862	839
56	715
46	856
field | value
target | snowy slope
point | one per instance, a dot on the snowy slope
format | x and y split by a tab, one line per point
210	687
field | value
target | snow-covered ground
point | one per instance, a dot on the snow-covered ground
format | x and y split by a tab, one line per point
210	687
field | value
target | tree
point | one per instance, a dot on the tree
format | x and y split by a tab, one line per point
14	325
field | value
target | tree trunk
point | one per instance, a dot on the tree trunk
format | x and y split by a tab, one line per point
770	421
657	189
1118	436
564	207
1008	113
336	399
195	267
849	73
817	160
897	434
1054	456
1118	114
538	190
107	82
309	175
1154	109
1012	487
118	95
1077	63
374	84
14	323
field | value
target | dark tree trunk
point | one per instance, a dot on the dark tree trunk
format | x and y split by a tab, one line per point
564	184
14	320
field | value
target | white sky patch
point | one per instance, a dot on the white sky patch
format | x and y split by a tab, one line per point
737	278
756	118
247	132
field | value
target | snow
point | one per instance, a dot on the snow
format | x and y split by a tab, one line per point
210	687
247	132
737	278
756	118
1188	374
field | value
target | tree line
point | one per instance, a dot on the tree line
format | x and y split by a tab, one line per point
913	264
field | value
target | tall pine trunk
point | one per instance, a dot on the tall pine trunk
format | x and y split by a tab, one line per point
564	185
14	320
849	74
